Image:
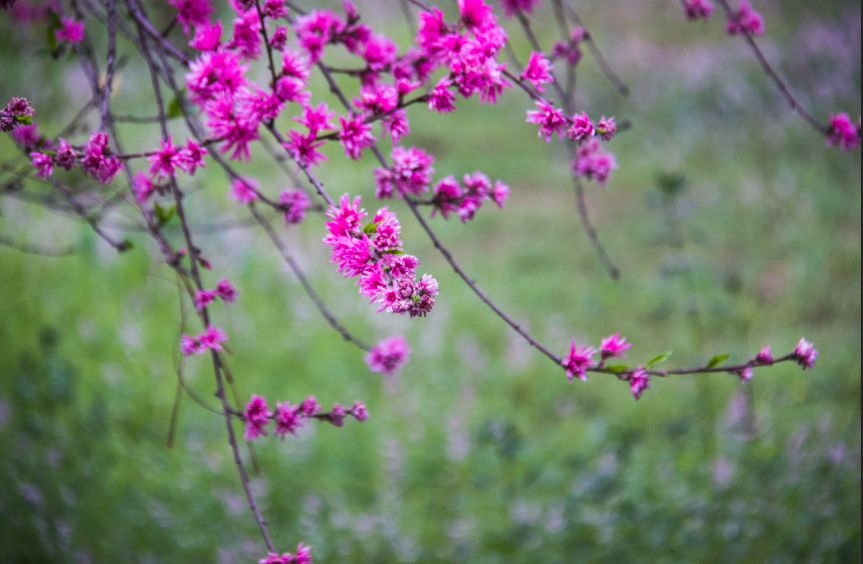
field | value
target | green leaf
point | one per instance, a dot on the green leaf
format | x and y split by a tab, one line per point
661	357
26	120
175	109
396	252
718	359
370	229
618	368
164	215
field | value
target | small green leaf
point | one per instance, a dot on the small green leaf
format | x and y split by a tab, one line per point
396	252
163	214
717	360
618	368
26	120
175	109
658	358
370	229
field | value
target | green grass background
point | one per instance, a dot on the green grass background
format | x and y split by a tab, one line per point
480	451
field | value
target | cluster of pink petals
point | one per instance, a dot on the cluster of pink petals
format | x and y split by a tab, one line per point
244	190
614	346
302	556
467	198
373	254
538	71
579	361
294	204
191	13
16	111
410	173
698	9
224	291
70	30
513	7
639	381
570	50
388	356
288	418
843	132
98	160
746	20
211	339
805	354
592	162
169	158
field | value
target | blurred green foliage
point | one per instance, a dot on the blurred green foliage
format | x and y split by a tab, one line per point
732	223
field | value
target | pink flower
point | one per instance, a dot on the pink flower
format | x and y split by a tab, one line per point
317	118
257	416
98	159
279	38
203	298
745	373
295	65
244	190
355	135
273	558
212	338
208	36
697	9
379	53
843	132
550	120
143	187
337	415
295	204
310	406
512	7
499	193
304	554
163	161
70	30
43	164
441	98
475	13
538	71
304	148
192	12
805	354
447	195
765	355
606	128
745	20
581	127
65	156
639	381
214	72
192	157
592	162
388	356
246	40
226	291
275	9
614	346
578	361
287	419
410	173
359	411
290	89
236	129
189	345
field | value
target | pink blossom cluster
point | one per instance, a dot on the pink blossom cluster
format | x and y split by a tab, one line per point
844	133
513	7
698	9
302	556
388	356
70	30
210	339
410	175
373	254
96	158
17	111
294	204
570	50
580	359
289	418
746	20
224	291
169	158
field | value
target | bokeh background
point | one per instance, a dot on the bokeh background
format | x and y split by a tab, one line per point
733	225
